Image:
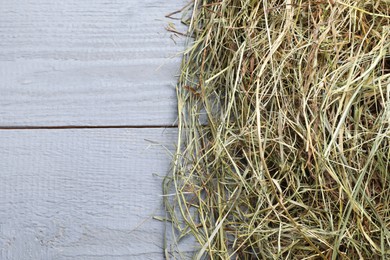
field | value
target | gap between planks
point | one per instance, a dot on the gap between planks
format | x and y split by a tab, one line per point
85	127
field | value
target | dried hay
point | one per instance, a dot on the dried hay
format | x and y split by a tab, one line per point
284	130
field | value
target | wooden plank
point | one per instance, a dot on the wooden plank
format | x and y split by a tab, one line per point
71	63
82	194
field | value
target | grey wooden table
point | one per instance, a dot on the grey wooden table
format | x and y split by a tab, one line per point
84	87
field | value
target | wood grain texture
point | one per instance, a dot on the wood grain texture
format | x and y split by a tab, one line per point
82	194
99	62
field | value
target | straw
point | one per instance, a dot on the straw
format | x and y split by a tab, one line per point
284	131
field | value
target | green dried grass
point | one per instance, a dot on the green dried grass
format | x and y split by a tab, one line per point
284	131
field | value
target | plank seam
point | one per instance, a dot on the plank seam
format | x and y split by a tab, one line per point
85	127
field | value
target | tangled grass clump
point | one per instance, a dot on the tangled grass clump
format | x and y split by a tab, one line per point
284	130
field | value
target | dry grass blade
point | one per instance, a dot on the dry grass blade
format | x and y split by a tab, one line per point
284	131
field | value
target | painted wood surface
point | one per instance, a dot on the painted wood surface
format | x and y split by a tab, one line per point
82	194
85	193
97	62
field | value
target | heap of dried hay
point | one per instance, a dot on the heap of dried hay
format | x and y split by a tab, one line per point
284	130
